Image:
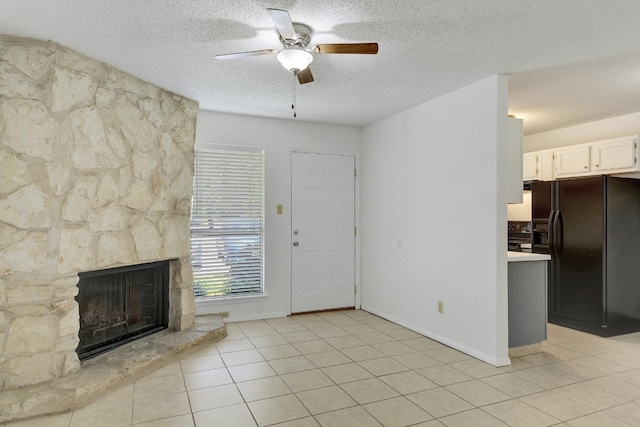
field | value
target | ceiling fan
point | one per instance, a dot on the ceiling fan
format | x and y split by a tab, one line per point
295	55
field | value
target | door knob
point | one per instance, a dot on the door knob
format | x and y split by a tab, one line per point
295	243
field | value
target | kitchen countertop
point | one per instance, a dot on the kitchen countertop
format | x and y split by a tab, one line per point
526	256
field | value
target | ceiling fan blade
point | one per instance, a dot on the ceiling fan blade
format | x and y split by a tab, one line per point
305	76
237	55
361	48
282	21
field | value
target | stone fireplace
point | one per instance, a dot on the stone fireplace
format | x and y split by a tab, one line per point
96	170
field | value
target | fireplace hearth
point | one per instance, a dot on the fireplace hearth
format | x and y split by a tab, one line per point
119	305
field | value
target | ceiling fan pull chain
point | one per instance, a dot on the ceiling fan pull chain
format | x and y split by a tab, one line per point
293	96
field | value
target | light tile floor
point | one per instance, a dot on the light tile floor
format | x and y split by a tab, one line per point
351	368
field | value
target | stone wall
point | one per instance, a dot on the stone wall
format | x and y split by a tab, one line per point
96	170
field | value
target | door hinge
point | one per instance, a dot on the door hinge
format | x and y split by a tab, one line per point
355	231
355	173
355	290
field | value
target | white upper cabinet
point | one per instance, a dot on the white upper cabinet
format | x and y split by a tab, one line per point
529	166
615	155
572	161
538	166
545	166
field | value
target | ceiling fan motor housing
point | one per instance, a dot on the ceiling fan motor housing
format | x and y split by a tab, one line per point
303	33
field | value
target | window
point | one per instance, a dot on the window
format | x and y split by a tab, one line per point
227	216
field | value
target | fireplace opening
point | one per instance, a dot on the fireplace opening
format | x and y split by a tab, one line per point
121	304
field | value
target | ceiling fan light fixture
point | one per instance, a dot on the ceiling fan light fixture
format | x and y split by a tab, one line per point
295	60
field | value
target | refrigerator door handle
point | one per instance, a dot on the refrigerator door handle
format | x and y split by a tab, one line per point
550	230
558	232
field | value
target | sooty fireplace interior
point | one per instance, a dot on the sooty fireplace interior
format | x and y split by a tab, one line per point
121	304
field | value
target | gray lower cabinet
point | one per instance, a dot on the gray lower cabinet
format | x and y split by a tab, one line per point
527	303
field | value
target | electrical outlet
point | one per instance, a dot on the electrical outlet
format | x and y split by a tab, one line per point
223	314
440	307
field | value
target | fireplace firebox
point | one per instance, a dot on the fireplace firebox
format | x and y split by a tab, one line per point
121	304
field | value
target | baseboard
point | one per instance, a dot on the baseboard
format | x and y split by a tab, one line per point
501	361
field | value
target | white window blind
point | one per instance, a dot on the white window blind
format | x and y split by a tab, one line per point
227	215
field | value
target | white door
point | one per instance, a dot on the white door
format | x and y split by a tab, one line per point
323	232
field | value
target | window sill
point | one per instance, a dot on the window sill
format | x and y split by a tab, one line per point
212	302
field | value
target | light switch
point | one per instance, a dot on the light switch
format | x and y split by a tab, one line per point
279	209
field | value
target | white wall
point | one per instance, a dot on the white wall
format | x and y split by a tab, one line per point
520	211
614	127
279	138
432	179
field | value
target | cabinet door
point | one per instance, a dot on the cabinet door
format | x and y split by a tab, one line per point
545	166
572	161
614	155
530	166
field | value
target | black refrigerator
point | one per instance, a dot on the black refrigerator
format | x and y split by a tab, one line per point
591	228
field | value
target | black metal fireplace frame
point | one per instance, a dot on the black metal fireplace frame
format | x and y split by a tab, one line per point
161	272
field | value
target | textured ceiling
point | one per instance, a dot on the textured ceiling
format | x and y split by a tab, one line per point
570	61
